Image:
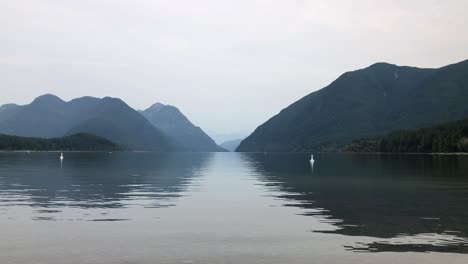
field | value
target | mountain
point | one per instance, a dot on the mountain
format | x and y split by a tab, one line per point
231	145
170	120
364	103
76	142
7	110
446	138
48	116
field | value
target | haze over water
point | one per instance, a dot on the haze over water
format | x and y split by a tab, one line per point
129	207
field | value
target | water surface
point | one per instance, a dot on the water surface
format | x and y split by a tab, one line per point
232	208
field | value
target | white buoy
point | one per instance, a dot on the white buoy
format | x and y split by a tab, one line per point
312	163
61	159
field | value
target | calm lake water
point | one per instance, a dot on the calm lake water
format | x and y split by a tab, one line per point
137	208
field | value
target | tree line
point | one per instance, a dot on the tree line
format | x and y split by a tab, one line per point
76	142
445	138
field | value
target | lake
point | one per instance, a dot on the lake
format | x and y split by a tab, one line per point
143	207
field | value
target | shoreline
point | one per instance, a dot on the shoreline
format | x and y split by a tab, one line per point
53	151
254	152
406	153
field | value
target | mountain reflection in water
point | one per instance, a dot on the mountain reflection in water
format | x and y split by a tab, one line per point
409	202
96	179
249	207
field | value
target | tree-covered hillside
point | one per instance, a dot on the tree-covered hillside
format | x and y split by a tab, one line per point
76	142
365	103
446	138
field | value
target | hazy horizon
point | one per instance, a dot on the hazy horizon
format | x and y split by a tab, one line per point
227	65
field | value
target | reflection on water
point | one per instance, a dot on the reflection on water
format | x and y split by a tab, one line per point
243	208
94	180
410	202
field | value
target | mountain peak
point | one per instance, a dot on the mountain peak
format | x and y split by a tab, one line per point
8	106
173	122
166	114
49	99
382	65
382	68
158	104
108	98
156	107
170	110
113	101
85	98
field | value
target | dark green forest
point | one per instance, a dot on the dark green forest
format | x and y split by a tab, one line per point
446	138
76	142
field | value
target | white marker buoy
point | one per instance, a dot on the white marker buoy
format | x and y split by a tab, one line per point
312	163
61	156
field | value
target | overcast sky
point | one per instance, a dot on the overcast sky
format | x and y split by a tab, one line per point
228	65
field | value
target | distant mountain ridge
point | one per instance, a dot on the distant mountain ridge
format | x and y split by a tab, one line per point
171	121
365	103
49	116
231	145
